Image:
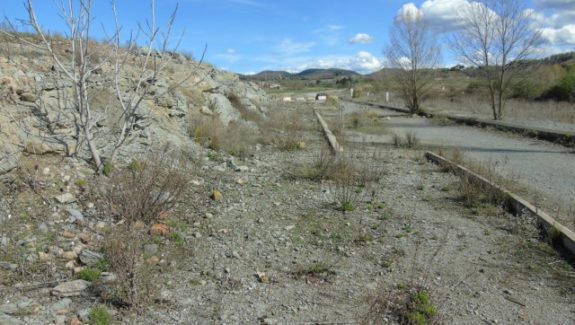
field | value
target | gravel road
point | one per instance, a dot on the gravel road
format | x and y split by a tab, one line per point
549	169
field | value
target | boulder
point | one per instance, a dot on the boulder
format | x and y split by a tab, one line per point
70	289
90	258
224	109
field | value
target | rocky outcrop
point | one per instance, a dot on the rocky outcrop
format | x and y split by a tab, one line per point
223	108
38	116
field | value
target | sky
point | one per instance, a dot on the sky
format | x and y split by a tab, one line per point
249	36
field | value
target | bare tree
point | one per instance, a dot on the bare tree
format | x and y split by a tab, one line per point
496	37
413	53
79	62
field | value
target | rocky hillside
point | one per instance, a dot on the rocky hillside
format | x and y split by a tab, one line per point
36	115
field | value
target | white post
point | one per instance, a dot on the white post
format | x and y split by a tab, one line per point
387	96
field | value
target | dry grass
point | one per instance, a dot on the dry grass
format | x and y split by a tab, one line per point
409	141
473	193
237	138
403	304
284	128
561	112
366	122
351	177
354	178
148	186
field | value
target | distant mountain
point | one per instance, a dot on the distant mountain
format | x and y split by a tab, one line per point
269	75
326	73
309	74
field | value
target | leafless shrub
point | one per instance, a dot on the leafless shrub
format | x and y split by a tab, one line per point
320	168
352	178
148	186
134	287
237	138
410	141
283	129
472	192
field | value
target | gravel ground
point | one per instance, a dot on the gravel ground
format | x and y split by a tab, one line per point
547	169
275	250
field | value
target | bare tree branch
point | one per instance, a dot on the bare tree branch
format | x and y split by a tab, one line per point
413	53
495	36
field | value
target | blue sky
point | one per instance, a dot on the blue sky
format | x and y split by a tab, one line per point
248	36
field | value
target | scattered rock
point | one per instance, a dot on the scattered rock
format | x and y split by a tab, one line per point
86	238
139	225
217	196
70	289
241	181
65	198
75	215
160	229
69	256
151	248
90	258
28	97
8	266
44	257
268	321
43	228
108	277
75	321
4	241
68	235
62	306
84	315
153	260
206	111
262	277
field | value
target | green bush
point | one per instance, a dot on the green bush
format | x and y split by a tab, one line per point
421	309
564	90
100	316
107	169
89	274
527	89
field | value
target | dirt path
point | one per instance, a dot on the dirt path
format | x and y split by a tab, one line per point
547	168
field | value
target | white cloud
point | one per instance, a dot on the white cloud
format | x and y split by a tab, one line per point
362	62
559	36
361	38
445	14
231	51
555	17
408	11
